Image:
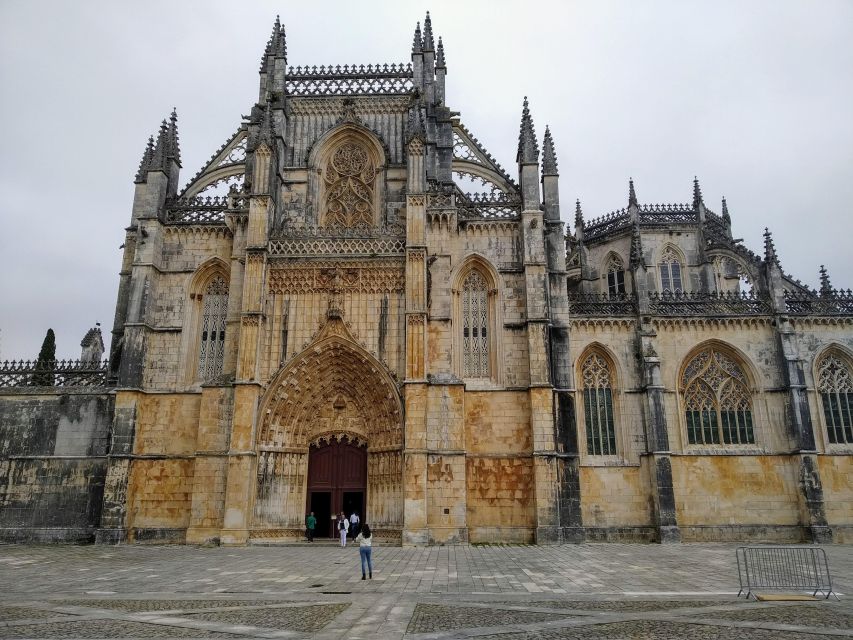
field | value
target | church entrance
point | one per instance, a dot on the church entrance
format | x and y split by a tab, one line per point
337	481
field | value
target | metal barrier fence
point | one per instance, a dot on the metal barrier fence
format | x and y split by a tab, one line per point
797	568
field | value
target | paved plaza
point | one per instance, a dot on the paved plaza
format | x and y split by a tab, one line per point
598	591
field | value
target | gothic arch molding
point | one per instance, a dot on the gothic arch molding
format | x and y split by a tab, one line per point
333	389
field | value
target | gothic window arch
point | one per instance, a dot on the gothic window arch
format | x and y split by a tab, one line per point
835	385
670	267
597	380
211	347
347	178
717	399
475	319
614	269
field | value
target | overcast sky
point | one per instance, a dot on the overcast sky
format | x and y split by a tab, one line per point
753	97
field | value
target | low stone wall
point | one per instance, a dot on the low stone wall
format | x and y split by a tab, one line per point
53	447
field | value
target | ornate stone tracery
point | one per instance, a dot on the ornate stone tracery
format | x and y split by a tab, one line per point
717	400
599	416
835	384
212	339
349	177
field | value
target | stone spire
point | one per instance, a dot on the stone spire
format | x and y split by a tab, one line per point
161	148
439	55
173	147
636	257
528	148
145	163
632	195
417	42
697	193
726	217
93	345
825	284
549	158
276	45
770	256
429	43
578	214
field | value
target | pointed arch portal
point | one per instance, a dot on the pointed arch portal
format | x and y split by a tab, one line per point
330	423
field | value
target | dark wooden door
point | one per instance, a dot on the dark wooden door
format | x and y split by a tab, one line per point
336	469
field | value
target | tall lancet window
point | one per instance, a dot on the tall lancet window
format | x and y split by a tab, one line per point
836	392
615	276
475	323
670	272
717	399
598	406
212	346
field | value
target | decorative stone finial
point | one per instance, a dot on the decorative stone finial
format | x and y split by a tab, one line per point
770	256
549	158
93	345
429	43
276	45
417	42
632	195
173	149
145	163
158	158
726	217
528	148
439	55
697	193
825	284
578	214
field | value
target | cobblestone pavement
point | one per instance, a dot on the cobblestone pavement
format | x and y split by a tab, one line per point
498	592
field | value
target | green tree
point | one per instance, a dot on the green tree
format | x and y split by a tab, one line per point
43	377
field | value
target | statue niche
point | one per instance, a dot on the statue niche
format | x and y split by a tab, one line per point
349	176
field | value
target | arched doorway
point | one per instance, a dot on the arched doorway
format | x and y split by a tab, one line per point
337	481
330	423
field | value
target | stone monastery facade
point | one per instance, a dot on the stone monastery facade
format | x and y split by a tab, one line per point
324	318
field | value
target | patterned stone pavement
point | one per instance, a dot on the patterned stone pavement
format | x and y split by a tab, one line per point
499	592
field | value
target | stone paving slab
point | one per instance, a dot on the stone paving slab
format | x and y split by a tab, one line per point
502	592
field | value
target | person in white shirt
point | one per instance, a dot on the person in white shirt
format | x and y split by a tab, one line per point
365	549
353	524
343	527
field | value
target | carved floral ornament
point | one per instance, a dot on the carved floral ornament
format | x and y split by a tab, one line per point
349	177
833	376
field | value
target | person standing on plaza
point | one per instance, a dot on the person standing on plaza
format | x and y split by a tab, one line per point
310	524
365	549
343	527
354	521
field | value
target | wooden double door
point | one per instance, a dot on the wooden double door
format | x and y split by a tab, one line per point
337	481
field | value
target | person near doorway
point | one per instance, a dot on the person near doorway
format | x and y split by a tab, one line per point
343	527
354	521
310	524
365	549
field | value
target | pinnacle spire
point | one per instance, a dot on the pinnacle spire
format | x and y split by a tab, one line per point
632	195
825	284
276	45
417	42
578	214
439	55
528	148
173	148
726	217
429	43
145	163
769	248
697	193
549	158
158	158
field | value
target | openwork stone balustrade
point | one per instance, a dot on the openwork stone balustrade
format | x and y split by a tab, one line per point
59	373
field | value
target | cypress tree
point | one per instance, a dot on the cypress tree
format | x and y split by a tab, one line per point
43	377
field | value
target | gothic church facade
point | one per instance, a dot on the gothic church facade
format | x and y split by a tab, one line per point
325	318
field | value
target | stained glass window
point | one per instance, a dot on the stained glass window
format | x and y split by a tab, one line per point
718	404
670	272
836	392
475	323
212	338
598	406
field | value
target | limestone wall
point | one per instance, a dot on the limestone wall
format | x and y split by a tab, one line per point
53	449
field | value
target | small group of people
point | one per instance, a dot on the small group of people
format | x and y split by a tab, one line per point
349	526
